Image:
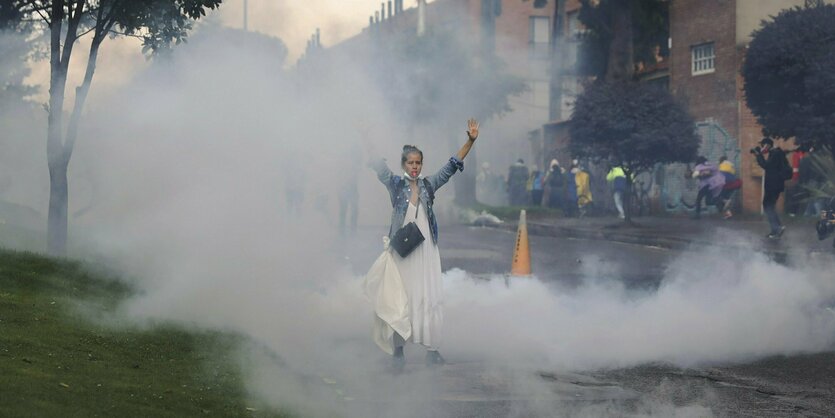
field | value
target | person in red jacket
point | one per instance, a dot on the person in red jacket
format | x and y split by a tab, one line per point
794	194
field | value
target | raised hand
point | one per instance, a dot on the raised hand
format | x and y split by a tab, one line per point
472	129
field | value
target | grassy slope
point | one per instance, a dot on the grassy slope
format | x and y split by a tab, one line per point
54	362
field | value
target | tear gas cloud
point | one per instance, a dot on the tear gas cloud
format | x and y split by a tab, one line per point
184	173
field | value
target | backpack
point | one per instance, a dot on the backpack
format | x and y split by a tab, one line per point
537	182
555	179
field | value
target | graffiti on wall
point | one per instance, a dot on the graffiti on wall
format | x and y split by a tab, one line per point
676	189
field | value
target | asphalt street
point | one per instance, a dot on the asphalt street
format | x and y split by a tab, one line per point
797	385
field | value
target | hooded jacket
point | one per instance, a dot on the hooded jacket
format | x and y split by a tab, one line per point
773	167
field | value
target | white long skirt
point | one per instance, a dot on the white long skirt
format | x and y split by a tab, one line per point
421	274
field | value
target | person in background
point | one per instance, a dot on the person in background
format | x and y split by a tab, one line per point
711	182
617	179
726	166
777	172
795	195
535	186
583	181
490	187
555	185
517	177
571	190
348	193
732	184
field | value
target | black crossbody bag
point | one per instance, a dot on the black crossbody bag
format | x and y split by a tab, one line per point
408	237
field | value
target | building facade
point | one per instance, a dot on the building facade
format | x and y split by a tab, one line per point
518	31
708	43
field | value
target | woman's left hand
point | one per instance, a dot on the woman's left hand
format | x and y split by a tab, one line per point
472	129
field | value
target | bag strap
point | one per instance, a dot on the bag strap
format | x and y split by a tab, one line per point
429	189
418	201
416	208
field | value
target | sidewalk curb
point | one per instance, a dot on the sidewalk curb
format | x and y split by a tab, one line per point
546	230
659	241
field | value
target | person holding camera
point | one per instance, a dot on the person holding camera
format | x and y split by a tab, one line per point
777	171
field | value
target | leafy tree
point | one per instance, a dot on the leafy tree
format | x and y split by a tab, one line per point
620	33
789	74
633	125
16	49
159	23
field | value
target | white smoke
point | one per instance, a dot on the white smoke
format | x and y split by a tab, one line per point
186	171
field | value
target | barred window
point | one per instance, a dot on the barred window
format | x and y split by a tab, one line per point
704	58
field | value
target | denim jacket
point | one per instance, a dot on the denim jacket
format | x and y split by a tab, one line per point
400	201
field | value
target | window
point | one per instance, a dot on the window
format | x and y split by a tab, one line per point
704	58
540	36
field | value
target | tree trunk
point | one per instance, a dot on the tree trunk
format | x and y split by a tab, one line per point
58	203
57	217
59	148
620	66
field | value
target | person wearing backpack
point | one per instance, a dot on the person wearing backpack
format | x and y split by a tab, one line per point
555	184
617	178
536	186
777	171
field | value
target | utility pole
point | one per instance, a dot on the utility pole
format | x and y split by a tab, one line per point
246	14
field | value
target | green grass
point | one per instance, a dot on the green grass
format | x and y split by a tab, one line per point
56	362
511	213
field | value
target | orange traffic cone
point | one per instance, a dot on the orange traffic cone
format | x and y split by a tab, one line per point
522	254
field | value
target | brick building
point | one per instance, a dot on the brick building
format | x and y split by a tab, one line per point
707	46
709	39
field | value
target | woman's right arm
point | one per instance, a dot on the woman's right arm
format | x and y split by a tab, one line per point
376	163
384	174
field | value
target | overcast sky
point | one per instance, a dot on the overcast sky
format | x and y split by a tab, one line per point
294	21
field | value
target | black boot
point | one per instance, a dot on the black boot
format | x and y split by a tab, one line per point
398	360
433	358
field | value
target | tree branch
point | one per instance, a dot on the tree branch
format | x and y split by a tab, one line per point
130	35
73	20
81	96
35	7
40	11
